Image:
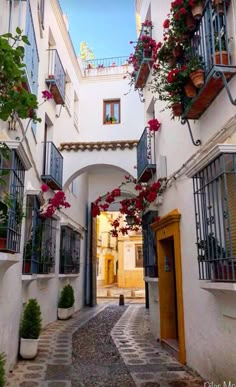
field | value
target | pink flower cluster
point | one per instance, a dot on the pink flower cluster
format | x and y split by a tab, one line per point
55	203
154	125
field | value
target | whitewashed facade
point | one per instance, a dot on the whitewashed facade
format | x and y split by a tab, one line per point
209	307
87	173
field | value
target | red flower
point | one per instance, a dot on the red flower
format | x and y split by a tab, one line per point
166	23
44	188
154	125
95	210
47	95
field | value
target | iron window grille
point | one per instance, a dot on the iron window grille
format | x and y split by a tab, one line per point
69	251
149	246
215	210
13	173
40	240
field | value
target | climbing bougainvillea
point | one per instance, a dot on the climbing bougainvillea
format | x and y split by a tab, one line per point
55	203
133	206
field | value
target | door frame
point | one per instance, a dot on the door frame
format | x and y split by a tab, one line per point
169	227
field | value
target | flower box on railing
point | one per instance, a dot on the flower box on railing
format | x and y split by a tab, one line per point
143	73
52	166
146	165
56	77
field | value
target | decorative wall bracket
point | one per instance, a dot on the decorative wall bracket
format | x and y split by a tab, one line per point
220	74
186	121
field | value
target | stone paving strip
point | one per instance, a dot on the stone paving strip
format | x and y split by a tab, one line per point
148	364
113	348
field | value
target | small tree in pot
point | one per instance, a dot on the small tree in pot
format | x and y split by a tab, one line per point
66	303
30	329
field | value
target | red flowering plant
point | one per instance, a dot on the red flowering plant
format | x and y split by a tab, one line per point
130	207
53	204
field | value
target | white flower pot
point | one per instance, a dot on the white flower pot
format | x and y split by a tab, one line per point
28	348
65	313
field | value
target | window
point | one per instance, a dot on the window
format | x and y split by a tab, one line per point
40	240
31	53
138	256
149	245
215	211
69	251
111	112
13	173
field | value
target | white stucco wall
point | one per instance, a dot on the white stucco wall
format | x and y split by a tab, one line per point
209	316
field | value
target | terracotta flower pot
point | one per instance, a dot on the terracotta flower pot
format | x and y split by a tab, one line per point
197	11
171	61
177	109
190	90
197	77
221	58
178	51
190	22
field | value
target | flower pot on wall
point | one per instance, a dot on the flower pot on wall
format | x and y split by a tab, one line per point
28	348
221	57
197	11
177	109
3	243
197	77
190	90
190	22
178	51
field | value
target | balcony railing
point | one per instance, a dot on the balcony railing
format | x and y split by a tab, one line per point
105	62
56	77
146	165
52	166
209	42
145	59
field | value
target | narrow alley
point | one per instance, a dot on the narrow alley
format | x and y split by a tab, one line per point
106	346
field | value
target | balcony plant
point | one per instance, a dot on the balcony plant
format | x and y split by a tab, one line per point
30	329
221	53
195	70
110	120
66	303
53	204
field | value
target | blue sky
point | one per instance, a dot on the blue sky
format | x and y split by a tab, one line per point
106	25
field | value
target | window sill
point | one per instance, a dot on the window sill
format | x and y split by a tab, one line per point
218	287
151	279
7	260
33	277
61	276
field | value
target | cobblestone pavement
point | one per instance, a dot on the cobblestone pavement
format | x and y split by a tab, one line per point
146	362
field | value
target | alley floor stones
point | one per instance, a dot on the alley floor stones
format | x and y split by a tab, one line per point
112	347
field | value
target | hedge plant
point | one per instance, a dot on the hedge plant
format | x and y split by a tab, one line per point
67	298
2	369
31	323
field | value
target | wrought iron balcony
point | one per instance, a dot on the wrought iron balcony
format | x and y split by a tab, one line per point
209	42
144	58
52	166
56	77
146	165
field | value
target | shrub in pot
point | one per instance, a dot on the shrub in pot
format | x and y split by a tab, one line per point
2	370
66	303
30	329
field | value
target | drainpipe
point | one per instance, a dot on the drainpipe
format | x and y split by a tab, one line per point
11	8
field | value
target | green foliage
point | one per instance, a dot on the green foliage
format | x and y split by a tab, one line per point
31	322
14	96
67	298
2	370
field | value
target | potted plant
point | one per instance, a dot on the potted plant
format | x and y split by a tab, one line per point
30	329
221	53
2	370
3	224
197	7
196	72
66	303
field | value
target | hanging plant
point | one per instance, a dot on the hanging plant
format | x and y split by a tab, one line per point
132	208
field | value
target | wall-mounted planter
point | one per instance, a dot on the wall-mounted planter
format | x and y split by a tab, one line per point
65	313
